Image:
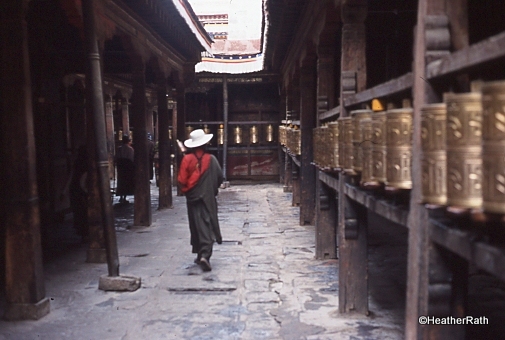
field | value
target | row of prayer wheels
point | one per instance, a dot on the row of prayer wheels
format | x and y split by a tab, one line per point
377	145
290	136
254	134
463	150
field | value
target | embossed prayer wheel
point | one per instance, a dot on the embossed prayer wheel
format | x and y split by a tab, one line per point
357	138
282	135
270	133
341	144
433	154
366	150
316	140
220	135
464	149
347	128
493	146
289	138
379	160
297	140
253	134
237	135
325	147
334	130
188	131
399	148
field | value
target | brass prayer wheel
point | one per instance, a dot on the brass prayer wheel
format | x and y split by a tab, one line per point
289	138
399	148
379	159
347	127
188	129
334	130
433	153
366	150
357	138
493	146
237	135
325	149
464	149
270	133
253	134
316	132
220	135
297	140
341	144
206	129
282	135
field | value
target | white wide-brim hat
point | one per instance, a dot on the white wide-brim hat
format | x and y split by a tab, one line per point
197	138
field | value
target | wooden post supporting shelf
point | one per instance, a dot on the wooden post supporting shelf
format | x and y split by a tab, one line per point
352	232
308	116
142	215
19	203
326	222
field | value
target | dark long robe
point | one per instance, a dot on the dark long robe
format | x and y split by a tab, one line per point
202	210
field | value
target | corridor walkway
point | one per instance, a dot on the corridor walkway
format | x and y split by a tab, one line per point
265	282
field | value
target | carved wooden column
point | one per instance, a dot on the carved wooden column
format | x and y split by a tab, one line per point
142	214
437	280
109	126
178	124
308	115
125	115
326	203
164	173
352	231
19	203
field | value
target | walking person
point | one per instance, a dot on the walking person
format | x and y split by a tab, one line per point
125	170
199	179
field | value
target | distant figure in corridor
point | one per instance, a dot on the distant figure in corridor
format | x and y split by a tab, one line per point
125	170
199	179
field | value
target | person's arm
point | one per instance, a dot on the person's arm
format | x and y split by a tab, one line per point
183	176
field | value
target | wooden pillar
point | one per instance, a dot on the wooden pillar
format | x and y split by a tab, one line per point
326	214
151	103
225	125
308	115
295	184
19	209
352	233
164	172
142	214
326	223
125	115
428	274
109	126
178	124
288	175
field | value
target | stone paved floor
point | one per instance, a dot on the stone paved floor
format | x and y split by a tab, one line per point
265	282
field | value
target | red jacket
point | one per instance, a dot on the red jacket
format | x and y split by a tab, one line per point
193	165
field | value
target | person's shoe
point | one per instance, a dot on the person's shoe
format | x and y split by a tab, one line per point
197	260
204	263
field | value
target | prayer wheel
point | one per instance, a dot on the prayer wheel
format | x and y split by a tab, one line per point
206	129
237	135
341	143
334	130
325	150
220	135
379	160
120	135
348	147
297	141
282	135
433	154
253	134
270	133
188	129
464	149
493	147
399	148
357	138
366	150
315	145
